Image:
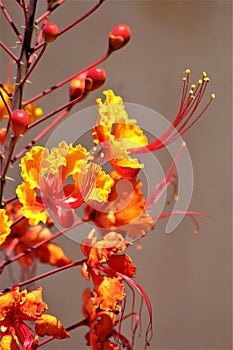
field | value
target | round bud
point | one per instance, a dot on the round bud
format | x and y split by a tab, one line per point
95	78
50	32
19	121
77	86
119	36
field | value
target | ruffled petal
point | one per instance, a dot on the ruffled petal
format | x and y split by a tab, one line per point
31	208
51	326
32	165
5	225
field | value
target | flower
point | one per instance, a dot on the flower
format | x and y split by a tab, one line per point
46	186
19	306
5	225
125	211
116	133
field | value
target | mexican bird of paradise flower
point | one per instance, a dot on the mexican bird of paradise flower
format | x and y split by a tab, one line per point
116	133
17	308
60	181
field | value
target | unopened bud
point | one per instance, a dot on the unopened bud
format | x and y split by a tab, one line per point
95	78
19	121
119	36
77	86
50	32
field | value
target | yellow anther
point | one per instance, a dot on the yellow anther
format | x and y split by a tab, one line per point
207	79
183	144
191	92
101	155
204	74
193	97
213	96
193	86
96	142
200	81
187	71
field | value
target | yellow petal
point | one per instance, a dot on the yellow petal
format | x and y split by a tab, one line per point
9	342
32	165
5	225
31	209
50	325
74	160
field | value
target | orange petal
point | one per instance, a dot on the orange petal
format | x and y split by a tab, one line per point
53	254
50	325
123	264
32	305
103	327
110	291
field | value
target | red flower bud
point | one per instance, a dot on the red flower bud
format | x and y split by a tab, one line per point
95	78
19	121
50	31
119	36
77	86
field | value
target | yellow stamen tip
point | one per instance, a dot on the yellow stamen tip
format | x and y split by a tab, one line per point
193	97
193	86
187	71
183	144
191	92
204	74
199	81
213	96
206	79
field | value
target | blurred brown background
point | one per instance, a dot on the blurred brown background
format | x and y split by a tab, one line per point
187	277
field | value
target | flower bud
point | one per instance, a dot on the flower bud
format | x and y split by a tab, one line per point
50	32
77	86
19	121
95	78
119	37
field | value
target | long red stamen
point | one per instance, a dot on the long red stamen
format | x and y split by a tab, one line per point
190	101
182	212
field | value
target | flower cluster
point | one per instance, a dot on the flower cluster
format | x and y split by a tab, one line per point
104	182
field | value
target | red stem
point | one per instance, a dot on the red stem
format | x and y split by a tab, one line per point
94	8
9	19
9	51
33	66
63	82
46	274
47	13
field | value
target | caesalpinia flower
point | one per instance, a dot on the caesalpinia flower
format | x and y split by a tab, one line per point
17	308
46	186
103	305
125	211
117	133
24	236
